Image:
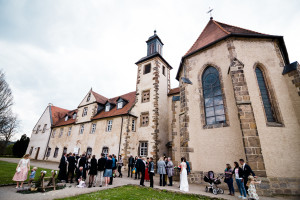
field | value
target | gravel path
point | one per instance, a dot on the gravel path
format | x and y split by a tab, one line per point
9	192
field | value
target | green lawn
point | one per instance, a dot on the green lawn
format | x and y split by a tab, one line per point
131	192
7	171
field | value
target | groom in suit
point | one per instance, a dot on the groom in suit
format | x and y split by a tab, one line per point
141	169
247	171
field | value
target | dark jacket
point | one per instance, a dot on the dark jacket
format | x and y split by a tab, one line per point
151	167
63	163
247	171
108	164
140	165
82	162
241	172
93	169
72	162
101	164
131	161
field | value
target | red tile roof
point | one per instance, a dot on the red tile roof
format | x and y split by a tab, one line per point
57	113
62	122
174	91
216	30
99	98
129	97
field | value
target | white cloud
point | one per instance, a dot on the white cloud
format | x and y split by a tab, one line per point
55	51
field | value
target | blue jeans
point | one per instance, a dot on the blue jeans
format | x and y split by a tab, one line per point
241	187
230	185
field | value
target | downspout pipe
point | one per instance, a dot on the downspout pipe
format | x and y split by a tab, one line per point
120	136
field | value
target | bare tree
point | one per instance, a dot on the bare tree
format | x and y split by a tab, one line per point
8	121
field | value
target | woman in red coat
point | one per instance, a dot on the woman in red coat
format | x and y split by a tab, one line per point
147	178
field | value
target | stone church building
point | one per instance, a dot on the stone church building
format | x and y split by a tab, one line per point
238	97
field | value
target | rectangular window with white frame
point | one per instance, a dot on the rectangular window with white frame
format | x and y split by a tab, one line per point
93	128
109	126
143	149
61	132
81	129
69	132
85	110
133	125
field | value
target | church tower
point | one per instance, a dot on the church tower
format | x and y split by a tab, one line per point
153	84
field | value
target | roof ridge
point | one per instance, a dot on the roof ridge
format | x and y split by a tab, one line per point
220	23
222	28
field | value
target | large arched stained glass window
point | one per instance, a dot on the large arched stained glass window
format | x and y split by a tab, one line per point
265	95
213	99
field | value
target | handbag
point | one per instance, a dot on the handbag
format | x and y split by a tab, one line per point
18	169
133	171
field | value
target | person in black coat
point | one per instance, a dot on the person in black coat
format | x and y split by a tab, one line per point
130	165
62	175
247	171
151	171
101	168
93	171
71	166
137	173
83	163
141	169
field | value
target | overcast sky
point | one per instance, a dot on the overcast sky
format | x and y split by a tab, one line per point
55	51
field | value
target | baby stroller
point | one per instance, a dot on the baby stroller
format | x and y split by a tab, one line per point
213	183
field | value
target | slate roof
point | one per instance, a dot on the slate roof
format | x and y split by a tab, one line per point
216	31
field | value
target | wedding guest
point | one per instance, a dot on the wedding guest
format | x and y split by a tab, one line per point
151	171
247	172
137	173
238	173
166	175
108	170
62	175
161	170
101	168
130	165
252	190
79	175
93	172
141	166
114	167
170	171
228	179
32	175
71	167
83	163
120	164
147	178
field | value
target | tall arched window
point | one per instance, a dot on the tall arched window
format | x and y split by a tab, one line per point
213	99
265	95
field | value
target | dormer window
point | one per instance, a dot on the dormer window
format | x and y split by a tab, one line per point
74	116
66	118
107	107
120	103
89	97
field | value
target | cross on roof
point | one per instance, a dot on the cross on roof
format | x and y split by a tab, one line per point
210	11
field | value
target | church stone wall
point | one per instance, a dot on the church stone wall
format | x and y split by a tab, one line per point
263	53
213	147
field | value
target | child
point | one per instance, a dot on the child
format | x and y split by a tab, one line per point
251	188
32	175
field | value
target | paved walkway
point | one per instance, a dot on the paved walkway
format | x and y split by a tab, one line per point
9	192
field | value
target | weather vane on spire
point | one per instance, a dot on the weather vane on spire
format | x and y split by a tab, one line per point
210	11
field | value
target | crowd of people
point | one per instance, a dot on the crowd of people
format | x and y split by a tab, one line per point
245	180
106	168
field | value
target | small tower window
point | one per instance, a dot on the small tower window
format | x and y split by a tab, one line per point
147	69
145	96
88	98
164	70
144	119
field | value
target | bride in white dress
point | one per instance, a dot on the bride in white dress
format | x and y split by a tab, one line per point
184	185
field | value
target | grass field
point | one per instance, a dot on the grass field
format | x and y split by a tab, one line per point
131	192
8	170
